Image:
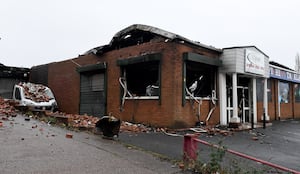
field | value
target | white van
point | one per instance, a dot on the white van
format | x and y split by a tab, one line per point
35	97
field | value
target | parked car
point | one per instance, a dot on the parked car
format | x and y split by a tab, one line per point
34	97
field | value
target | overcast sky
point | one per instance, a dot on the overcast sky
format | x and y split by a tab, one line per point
35	32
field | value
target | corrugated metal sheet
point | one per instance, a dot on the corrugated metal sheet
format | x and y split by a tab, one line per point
92	94
6	87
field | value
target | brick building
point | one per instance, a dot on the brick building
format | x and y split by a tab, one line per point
151	76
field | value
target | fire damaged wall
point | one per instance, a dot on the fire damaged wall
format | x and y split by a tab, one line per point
153	65
166	110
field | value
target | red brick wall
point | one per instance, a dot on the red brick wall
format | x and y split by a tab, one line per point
287	110
65	82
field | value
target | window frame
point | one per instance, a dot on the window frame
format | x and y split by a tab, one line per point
280	92
155	57
198	58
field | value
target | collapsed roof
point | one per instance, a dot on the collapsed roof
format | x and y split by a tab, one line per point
14	72
138	34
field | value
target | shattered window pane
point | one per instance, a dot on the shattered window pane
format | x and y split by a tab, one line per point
143	78
200	78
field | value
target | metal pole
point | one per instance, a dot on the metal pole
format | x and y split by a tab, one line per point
264	119
250	157
252	119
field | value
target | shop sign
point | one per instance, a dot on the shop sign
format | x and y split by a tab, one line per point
254	62
284	75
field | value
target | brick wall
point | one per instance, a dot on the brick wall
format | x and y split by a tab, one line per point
64	80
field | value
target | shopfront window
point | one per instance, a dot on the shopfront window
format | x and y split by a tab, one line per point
260	90
284	91
297	93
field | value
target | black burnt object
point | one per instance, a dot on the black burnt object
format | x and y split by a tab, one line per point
109	125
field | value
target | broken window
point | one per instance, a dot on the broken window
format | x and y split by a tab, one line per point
142	79
200	79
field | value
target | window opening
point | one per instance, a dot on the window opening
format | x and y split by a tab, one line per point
140	81
200	84
200	79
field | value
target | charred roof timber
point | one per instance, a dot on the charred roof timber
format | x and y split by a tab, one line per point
137	34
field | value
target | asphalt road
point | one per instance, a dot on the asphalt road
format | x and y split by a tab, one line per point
37	148
278	144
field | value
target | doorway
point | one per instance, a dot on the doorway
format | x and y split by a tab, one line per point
92	93
244	99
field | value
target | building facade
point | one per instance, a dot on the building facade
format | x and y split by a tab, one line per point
151	76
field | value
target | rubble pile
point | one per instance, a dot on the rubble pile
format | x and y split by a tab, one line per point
35	92
130	127
7	108
74	120
82	121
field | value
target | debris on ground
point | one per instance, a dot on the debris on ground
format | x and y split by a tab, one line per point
109	126
69	135
73	120
130	127
7	107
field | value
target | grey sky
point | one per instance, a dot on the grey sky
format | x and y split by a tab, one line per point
35	32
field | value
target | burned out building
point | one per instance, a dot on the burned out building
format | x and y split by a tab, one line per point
152	76
9	76
142	75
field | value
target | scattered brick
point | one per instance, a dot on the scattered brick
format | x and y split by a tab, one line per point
69	135
75	120
130	127
7	108
35	92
